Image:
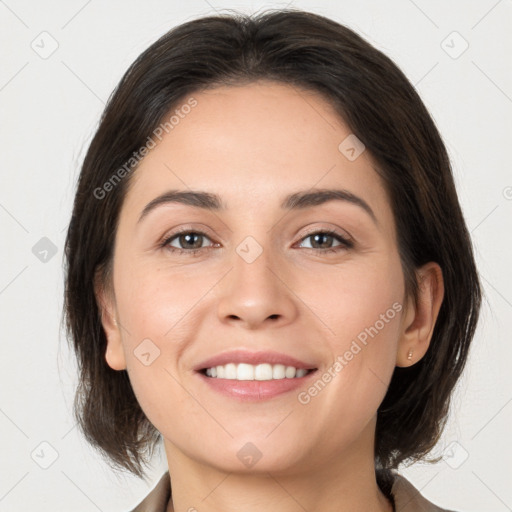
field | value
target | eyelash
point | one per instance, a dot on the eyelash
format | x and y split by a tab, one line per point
345	243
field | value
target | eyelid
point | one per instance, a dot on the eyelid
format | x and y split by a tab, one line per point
203	230
331	230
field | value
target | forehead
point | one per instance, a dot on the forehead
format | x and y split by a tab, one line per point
259	141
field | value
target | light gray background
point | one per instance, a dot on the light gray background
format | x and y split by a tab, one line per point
50	108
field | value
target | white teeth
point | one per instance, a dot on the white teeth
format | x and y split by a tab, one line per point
264	371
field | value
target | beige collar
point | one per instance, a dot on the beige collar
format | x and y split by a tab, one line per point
409	499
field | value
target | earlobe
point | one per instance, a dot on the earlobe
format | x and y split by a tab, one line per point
114	354
421	316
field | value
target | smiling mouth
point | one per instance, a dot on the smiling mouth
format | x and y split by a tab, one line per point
260	372
254	383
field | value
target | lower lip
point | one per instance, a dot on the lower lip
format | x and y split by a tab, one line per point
255	390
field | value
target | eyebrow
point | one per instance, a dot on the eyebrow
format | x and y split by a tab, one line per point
295	201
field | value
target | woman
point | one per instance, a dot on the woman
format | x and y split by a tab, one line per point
308	340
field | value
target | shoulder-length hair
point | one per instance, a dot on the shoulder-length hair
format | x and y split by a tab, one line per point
380	106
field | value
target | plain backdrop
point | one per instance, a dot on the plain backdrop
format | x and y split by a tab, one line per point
60	60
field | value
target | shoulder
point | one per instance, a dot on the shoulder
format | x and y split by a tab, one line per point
409	499
158	497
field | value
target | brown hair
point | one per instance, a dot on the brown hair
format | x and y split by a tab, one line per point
381	107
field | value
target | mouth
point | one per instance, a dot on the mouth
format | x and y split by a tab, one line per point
254	389
253	376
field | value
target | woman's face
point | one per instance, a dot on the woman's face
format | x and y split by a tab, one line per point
260	282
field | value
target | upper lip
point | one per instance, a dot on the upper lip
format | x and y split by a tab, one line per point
244	356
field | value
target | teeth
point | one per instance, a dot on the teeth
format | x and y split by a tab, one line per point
265	371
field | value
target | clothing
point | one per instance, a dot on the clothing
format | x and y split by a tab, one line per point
407	497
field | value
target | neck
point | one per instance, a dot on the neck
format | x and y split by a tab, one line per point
346	478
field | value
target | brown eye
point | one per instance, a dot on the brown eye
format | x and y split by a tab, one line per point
322	240
189	242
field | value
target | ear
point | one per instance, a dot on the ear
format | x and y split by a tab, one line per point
420	317
114	354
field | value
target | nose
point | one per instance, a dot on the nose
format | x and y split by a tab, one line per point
256	292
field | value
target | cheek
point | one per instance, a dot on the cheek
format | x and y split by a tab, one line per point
159	309
156	316
351	298
155	302
360	307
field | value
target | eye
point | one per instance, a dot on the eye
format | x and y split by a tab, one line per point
325	237
192	241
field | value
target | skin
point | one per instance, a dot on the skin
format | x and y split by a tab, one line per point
253	145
